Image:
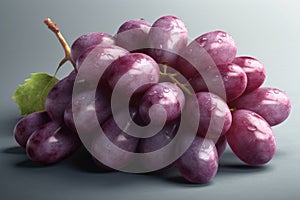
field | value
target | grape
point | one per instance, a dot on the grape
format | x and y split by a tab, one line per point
160	139
221	145
52	143
234	79
114	155
133	34
251	138
199	164
157	142
270	103
28	124
94	63
167	37
255	71
59	97
215	116
193	60
85	106
167	98
85	41
131	72
219	45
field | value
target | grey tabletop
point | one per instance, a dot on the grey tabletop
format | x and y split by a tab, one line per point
268	30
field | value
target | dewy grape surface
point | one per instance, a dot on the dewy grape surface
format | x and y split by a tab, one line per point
257	37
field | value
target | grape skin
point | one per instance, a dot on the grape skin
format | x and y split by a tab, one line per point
199	164
103	151
132	35
59	97
84	106
251	138
270	103
160	139
221	145
134	72
28	124
219	45
215	116
170	98
81	44
94	63
234	80
167	37
255	71
51	143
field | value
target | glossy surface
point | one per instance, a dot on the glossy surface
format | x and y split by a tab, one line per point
215	116
270	103
251	138
199	164
168	99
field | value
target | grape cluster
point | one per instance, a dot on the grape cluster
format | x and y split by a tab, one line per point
162	78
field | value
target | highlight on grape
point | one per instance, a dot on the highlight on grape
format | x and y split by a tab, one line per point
146	99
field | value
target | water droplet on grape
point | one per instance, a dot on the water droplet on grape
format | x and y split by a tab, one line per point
161	46
166	90
110	56
220	41
231	68
203	42
226	78
224	35
208	100
276	91
213	106
249	62
209	68
251	128
268	92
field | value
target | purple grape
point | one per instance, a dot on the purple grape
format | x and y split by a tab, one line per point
221	145
132	35
270	103
114	155
199	164
28	124
52	143
255	72
234	80
251	138
59	97
160	139
215	116
194	60
94	63
167	98
134	72
219	45
167	37
85	41
86	108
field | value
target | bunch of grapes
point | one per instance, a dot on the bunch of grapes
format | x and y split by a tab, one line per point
130	94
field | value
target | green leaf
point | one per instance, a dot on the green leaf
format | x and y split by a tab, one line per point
31	96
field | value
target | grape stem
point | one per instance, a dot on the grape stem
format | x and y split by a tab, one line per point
54	28
172	77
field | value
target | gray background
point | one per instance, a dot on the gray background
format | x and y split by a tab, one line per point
268	30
